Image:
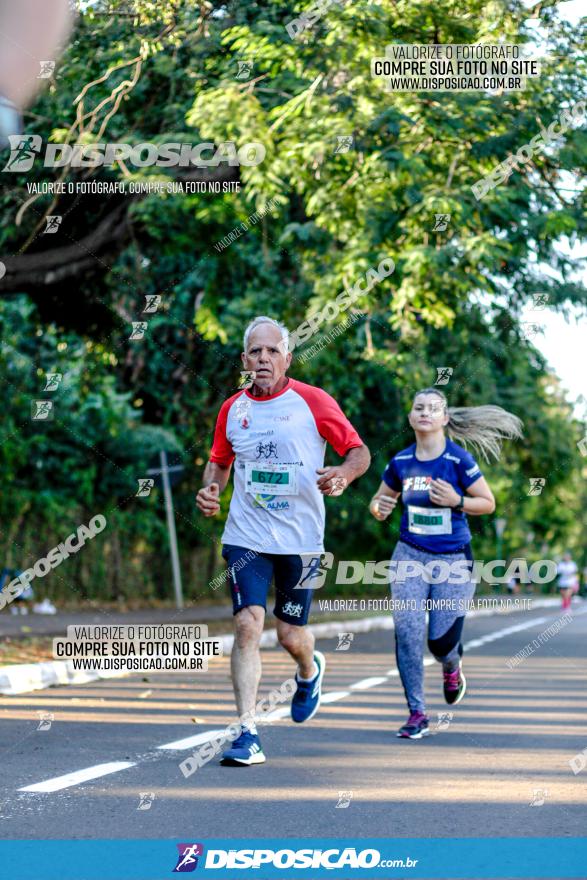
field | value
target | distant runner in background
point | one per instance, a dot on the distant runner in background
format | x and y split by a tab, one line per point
513	585
439	483
568	579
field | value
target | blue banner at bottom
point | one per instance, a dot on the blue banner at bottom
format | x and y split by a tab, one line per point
506	858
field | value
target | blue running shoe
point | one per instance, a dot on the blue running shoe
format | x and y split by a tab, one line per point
306	700
245	750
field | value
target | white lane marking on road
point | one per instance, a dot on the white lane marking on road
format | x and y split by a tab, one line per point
333	696
200	738
368	683
79	776
501	633
197	739
490	637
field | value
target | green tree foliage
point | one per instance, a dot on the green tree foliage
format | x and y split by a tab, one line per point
146	72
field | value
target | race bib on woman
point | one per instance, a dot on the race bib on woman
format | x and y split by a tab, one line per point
429	520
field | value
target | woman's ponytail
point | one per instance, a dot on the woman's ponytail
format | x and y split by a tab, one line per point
482	427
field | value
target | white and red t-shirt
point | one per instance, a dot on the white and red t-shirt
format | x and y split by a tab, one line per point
278	442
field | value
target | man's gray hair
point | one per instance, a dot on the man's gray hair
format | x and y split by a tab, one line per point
263	319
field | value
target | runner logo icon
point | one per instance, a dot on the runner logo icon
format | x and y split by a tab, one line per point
292	609
314	570
187	859
344	641
24	150
266	450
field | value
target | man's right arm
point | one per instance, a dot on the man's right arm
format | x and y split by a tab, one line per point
215	479
217	471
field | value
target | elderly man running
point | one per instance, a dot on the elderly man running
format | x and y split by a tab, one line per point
276	433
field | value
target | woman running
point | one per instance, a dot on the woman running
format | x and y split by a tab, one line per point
439	483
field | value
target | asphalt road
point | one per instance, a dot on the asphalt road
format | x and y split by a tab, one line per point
500	767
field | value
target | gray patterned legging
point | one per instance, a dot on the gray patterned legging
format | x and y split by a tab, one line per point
445	603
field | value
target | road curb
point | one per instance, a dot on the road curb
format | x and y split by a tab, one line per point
27	677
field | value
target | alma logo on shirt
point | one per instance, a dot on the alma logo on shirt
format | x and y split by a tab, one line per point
417	484
270	502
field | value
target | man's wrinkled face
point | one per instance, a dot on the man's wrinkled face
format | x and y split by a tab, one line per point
267	355
428	413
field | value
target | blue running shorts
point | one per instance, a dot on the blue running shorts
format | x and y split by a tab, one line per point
250	574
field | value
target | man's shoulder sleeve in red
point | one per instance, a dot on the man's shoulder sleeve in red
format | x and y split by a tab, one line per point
331	422
222	452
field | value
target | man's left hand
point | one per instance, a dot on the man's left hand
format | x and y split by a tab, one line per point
333	480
